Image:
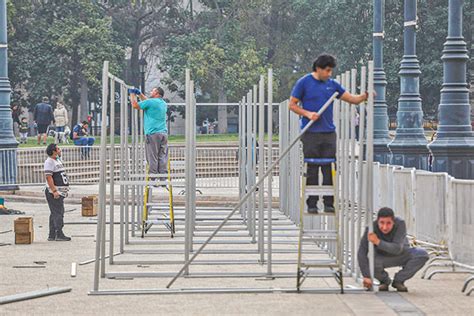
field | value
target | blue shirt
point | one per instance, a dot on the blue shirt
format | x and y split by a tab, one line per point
79	130
313	93
154	115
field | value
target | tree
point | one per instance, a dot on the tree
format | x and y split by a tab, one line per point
84	41
144	26
58	49
214	52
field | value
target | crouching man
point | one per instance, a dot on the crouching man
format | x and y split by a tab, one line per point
391	250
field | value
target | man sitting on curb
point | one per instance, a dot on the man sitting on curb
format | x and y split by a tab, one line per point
80	136
391	250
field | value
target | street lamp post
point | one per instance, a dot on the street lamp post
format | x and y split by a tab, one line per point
8	143
409	146
454	147
381	137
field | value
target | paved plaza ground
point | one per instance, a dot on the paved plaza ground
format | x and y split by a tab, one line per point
440	296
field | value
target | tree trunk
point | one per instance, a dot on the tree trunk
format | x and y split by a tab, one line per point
135	57
75	99
222	110
84	107
134	68
275	24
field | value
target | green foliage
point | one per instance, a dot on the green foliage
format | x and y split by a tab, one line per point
55	45
245	71
227	44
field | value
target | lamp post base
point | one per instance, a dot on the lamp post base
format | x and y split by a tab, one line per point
454	155
410	154
382	153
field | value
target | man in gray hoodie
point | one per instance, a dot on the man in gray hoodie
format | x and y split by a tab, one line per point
391	250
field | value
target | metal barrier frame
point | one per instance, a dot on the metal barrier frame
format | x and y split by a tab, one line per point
251	208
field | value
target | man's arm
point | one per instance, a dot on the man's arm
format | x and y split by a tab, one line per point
396	247
354	98
362	255
294	107
134	101
52	187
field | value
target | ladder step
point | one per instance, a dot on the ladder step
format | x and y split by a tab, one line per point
314	262
321	239
334	264
319	190
320	213
313	232
157	221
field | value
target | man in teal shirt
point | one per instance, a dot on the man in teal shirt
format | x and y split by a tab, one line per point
156	132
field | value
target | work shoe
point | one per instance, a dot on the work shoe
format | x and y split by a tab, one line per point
62	237
329	209
383	287
313	210
399	286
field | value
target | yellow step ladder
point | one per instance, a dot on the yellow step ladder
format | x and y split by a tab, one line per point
163	216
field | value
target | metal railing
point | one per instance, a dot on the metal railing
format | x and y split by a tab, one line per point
216	167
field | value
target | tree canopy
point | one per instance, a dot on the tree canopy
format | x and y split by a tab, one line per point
57	47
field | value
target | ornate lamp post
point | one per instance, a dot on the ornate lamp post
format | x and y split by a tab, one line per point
453	150
8	143
381	138
409	146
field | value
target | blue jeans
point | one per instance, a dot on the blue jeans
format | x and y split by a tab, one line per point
85	143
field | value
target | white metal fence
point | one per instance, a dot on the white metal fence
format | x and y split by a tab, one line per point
216	167
439	213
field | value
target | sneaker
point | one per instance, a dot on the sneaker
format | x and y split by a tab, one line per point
383	287
329	209
62	237
313	210
51	238
399	286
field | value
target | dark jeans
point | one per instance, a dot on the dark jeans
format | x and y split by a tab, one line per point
56	217
411	260
319	145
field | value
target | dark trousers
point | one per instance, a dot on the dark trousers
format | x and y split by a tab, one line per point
411	261
319	145
56	216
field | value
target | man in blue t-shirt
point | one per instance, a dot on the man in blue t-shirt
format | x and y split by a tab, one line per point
80	136
312	91
156	132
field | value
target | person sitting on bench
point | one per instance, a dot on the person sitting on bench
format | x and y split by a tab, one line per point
391	250
80	136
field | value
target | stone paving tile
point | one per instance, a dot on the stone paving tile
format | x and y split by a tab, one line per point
435	297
